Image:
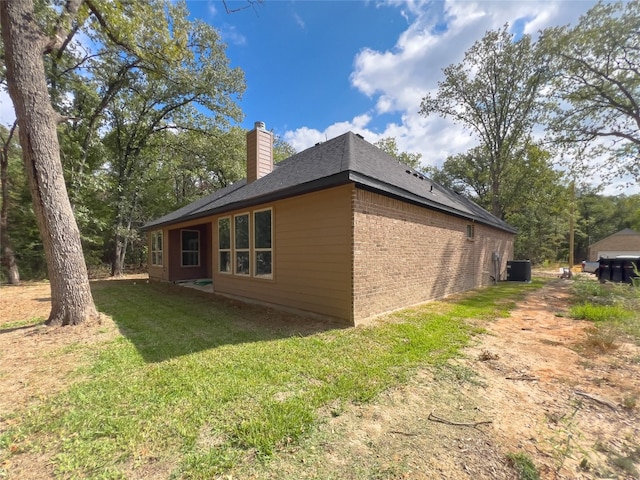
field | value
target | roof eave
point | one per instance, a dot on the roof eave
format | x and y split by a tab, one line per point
401	194
335	180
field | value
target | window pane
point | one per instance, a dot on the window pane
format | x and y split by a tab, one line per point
263	263
225	261
242	263
190	259
190	240
190	247
262	226
224	233
159	241
242	231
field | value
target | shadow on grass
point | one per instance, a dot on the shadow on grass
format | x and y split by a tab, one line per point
165	321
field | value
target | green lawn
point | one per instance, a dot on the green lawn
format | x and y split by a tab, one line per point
196	384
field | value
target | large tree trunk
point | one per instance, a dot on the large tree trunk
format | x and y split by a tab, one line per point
24	44
7	256
118	256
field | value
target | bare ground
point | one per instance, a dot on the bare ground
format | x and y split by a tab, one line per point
571	410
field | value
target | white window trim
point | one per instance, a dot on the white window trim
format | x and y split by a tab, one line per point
236	250
182	250
155	252
229	250
257	250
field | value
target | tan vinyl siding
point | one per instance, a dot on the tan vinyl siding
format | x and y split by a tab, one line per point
405	254
311	256
259	154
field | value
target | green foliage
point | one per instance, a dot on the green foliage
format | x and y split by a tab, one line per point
595	89
389	146
494	93
599	313
524	466
201	384
21	221
612	307
532	198
142	133
282	149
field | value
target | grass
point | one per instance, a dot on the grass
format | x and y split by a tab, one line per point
32	322
524	466
199	385
613	308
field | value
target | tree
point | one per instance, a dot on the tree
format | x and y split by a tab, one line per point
281	149
493	93
595	90
149	48
7	254
153	88
389	146
24	45
531	197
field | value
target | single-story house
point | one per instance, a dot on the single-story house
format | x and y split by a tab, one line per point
340	230
625	242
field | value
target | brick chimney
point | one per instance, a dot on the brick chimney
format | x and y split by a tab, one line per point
259	152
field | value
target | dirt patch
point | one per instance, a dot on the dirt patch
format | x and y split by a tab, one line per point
570	410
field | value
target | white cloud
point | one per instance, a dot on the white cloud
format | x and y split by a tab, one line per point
303	138
230	34
213	11
299	21
397	78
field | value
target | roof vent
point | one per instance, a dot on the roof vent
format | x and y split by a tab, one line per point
260	126
358	135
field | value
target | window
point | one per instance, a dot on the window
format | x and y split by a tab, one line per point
156	248
190	248
241	236
245	244
470	231
262	242
224	245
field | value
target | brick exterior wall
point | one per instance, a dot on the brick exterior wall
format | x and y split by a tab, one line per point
405	254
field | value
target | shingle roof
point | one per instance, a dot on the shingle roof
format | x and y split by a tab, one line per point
344	159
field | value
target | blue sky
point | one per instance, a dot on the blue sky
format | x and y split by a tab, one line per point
315	69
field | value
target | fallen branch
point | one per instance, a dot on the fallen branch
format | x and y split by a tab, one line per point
600	400
434	418
406	434
528	378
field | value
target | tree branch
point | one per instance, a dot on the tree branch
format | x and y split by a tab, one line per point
105	25
63	26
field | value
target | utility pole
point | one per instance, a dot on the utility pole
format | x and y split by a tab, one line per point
572	205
